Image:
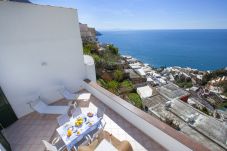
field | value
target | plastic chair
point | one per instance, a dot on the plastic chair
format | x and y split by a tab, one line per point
62	119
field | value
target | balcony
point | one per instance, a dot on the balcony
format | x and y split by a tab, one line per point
123	120
26	134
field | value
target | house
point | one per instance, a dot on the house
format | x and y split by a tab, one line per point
144	92
136	78
172	91
192	122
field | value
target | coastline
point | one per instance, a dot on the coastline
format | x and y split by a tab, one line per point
166	92
200	49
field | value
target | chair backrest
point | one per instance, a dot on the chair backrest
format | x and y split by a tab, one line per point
49	146
38	105
96	134
86	141
75	112
62	119
101	111
68	95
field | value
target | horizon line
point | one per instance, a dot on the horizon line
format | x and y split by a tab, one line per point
162	29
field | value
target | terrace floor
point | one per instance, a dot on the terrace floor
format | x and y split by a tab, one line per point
26	133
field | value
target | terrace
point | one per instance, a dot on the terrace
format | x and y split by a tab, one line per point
27	133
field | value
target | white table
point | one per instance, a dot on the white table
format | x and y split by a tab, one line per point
105	145
84	129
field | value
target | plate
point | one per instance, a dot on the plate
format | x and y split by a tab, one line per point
90	114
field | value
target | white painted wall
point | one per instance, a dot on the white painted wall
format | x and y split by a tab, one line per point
162	138
40	51
90	68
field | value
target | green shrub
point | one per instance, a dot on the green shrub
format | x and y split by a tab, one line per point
135	99
127	84
113	49
89	47
96	58
184	84
118	75
87	51
102	83
113	86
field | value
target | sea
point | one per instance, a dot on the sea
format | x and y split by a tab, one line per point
199	49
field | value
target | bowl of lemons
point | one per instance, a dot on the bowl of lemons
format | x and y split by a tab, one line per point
79	121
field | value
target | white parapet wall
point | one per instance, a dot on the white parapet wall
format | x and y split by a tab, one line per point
41	51
90	68
159	136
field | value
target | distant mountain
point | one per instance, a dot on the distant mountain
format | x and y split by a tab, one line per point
23	1
98	33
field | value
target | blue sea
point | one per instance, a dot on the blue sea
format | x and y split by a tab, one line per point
200	49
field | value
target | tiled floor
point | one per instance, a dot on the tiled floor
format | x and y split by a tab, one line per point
26	134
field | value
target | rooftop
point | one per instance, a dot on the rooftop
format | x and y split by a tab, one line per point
156	99
206	130
172	91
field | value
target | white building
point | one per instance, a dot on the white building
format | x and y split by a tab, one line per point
41	51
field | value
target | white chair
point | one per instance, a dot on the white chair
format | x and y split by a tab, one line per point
85	141
75	112
69	95
101	111
52	147
95	134
62	119
100	114
97	129
42	108
103	124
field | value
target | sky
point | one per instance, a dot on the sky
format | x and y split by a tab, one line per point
148	14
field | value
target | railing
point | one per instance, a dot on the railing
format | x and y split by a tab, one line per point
152	127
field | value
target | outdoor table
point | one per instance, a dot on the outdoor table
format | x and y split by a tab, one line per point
84	129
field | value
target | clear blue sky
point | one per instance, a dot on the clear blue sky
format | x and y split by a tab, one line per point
148	14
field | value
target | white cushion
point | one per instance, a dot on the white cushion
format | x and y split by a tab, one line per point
84	96
43	108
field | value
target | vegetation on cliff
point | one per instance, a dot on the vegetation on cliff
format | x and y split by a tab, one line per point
213	74
110	73
183	82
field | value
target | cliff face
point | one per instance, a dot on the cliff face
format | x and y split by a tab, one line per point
98	33
88	34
